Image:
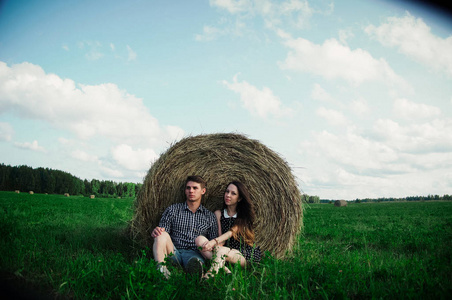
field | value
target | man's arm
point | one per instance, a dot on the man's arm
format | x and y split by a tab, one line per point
164	224
157	231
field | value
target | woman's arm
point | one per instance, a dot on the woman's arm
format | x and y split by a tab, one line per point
210	245
218	215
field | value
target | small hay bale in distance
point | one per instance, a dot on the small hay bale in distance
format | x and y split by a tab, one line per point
31	192
219	159
340	203
66	194
17	191
92	196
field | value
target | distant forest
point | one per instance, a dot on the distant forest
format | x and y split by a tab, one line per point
410	198
45	180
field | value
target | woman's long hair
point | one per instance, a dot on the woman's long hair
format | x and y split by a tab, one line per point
243	225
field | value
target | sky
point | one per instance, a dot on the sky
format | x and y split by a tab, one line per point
355	95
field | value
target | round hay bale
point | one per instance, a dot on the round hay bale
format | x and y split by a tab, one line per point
340	203
31	192
92	196
219	159
66	194
17	191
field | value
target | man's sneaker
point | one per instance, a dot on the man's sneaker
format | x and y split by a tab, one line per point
194	266
164	270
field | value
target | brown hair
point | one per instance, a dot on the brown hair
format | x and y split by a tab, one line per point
243	226
197	179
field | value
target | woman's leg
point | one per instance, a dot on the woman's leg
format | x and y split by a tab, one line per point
234	256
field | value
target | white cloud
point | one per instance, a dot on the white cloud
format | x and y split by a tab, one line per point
318	93
137	160
299	12
390	159
84	156
262	103
109	172
209	33
430	137
93	52
88	111
359	107
294	13
6	132
131	54
414	111
65	47
232	6
345	35
413	38
34	146
354	152
175	133
333	60
333	117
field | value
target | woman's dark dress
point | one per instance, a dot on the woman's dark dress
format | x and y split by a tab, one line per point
250	253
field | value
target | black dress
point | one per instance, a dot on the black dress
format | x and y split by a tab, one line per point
250	253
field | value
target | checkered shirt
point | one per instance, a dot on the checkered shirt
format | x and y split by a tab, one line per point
184	226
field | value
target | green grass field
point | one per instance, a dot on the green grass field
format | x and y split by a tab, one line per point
76	247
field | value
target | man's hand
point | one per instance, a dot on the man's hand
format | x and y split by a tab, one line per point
157	231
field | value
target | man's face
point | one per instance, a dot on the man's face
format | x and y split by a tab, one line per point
193	191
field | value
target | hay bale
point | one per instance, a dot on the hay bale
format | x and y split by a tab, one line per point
340	203
17	191
92	196
66	194
31	192
219	159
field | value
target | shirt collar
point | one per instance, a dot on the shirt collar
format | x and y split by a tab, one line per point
200	208
225	214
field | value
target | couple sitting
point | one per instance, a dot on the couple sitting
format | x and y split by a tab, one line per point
223	236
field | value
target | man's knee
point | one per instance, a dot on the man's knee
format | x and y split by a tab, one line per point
163	239
200	240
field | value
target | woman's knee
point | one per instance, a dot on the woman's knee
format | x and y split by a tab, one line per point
235	256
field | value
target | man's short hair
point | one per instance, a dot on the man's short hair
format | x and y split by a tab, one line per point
197	179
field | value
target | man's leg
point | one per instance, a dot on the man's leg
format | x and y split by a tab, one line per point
162	247
192	261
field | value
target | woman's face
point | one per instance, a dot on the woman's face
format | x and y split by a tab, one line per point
231	195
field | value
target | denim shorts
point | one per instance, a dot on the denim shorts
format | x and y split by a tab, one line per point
181	256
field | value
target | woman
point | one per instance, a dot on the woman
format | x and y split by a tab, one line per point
235	243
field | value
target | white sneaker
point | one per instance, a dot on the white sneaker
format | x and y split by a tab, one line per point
164	270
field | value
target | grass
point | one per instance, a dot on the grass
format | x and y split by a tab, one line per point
77	248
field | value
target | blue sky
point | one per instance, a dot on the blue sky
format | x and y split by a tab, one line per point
355	95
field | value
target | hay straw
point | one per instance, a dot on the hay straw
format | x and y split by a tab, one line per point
219	159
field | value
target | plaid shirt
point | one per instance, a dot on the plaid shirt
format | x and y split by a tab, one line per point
184	226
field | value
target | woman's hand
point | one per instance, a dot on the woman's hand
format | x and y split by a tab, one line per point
209	246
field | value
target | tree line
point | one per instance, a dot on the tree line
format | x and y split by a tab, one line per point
445	197
310	199
45	180
410	198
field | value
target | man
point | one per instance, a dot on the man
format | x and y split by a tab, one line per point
180	224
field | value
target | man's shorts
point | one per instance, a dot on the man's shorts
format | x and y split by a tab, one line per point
181	256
